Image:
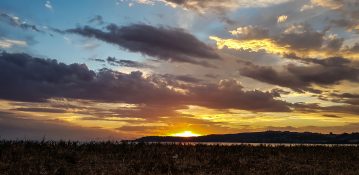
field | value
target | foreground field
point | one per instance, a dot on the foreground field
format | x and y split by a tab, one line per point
23	157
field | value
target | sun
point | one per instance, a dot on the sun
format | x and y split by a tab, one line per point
186	134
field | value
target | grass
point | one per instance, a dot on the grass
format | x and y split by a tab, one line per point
27	157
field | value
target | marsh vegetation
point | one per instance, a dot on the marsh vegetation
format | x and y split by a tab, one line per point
47	157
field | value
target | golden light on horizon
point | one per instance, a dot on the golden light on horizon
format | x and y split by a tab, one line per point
186	134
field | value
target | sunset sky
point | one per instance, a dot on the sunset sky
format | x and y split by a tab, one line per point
123	69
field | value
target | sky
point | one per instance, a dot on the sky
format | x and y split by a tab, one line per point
123	69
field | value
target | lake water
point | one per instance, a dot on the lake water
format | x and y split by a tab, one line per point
251	144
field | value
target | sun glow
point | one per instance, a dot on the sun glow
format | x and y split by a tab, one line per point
186	134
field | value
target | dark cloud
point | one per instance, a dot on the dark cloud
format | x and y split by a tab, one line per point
25	78
271	76
250	32
226	94
187	78
143	111
350	109
301	36
279	92
315	108
331	116
230	94
172	79
345	23
126	63
14	126
212	76
97	20
171	44
333	44
331	61
102	111
347	98
307	107
349	13
97	60
354	48
46	110
346	95
298	38
300	77
17	22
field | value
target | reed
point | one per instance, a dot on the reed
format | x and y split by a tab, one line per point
50	157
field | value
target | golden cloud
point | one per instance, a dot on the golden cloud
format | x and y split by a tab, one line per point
331	4
282	18
8	43
273	47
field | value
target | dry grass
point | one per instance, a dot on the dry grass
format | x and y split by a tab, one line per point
25	157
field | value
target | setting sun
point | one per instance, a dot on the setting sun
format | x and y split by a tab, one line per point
186	134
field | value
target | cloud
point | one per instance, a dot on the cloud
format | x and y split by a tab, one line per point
331	4
48	5
98	19
220	9
187	78
315	108
179	124
45	110
282	19
298	39
301	37
333	42
173	79
210	5
354	48
133	115
148	2
348	14
345	10
126	63
9	43
171	44
15	126
325	72
331	116
226	94
17	22
349	109
131	120
254	45
250	32
346	23
25	78
229	94
347	98
97	60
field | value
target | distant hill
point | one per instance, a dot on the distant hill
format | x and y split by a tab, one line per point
264	137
